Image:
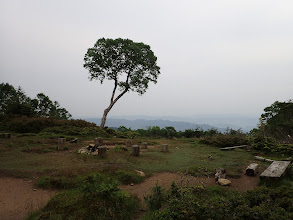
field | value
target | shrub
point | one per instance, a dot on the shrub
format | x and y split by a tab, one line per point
156	200
224	140
217	203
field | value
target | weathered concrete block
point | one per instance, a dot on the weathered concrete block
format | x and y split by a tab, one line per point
99	141
252	169
164	148
128	143
102	151
61	141
135	150
276	170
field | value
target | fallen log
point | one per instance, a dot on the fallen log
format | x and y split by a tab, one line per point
276	170
234	147
263	159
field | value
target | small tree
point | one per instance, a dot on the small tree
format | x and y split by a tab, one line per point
130	65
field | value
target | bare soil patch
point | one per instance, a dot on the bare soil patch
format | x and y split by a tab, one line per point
19	198
242	184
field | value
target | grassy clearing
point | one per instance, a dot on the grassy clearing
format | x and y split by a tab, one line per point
38	156
34	155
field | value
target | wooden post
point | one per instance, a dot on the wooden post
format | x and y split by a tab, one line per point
7	135
61	141
128	143
99	141
252	169
144	145
102	151
164	148
135	150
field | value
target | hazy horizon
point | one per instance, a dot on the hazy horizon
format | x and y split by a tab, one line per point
216	57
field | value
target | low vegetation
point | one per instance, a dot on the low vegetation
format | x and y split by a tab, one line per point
88	185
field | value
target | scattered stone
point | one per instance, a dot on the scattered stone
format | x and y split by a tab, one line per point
140	172
224	182
164	148
220	174
252	169
135	150
131	184
34	189
74	141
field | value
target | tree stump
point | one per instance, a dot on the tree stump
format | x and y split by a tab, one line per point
135	150
99	141
164	148
7	135
128	143
144	145
102	151
252	169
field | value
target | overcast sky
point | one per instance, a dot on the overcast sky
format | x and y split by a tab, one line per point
216	57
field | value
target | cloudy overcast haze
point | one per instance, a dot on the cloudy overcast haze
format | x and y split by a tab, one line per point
216	57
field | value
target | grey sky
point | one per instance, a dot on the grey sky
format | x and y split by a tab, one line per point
216	57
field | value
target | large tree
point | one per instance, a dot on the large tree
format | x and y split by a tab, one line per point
130	65
277	121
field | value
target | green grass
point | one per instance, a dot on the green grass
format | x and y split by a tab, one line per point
28	155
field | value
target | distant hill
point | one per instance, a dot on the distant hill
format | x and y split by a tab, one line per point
143	124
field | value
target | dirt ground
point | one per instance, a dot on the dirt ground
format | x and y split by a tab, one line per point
19	198
165	179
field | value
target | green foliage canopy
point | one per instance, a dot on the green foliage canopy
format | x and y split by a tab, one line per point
16	102
130	65
278	120
112	58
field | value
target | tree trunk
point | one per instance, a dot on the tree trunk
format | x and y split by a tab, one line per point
106	111
103	121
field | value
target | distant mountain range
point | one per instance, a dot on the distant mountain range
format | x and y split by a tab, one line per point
220	122
143	124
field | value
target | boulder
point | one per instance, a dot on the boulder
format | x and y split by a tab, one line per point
224	182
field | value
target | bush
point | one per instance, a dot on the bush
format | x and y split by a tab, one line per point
224	140
217	203
156	200
24	124
97	198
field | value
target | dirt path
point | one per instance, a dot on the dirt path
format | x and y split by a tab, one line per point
165	179
19	198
